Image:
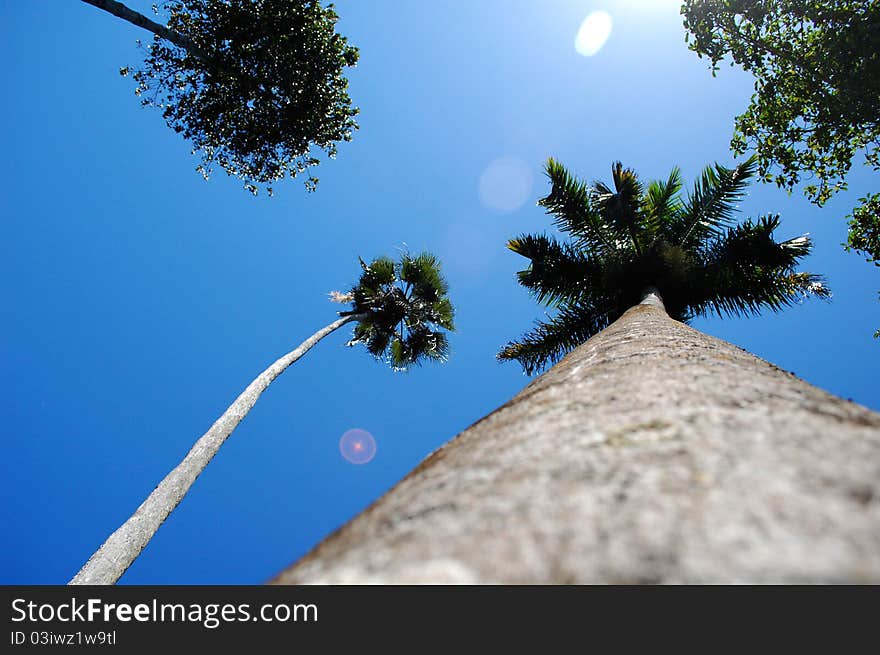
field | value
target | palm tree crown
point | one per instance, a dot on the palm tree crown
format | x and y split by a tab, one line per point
400	306
629	239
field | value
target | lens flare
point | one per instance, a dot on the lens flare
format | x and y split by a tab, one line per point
505	185
357	446
593	34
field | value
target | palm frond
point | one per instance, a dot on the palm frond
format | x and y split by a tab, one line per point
424	342
558	272
746	271
359	335
423	273
377	343
662	203
619	208
569	202
549	341
398	356
711	206
378	272
442	314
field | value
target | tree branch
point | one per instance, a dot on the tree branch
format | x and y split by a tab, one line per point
121	11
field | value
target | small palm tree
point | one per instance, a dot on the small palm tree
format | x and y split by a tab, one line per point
397	305
401	309
630	242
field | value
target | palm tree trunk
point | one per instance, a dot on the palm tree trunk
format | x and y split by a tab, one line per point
122	547
121	11
652	453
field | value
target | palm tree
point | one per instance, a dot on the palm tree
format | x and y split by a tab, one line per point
628	243
650	452
400	310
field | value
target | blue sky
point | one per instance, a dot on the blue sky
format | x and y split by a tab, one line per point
140	300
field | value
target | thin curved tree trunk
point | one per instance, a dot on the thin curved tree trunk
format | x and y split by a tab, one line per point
121	11
122	547
652	453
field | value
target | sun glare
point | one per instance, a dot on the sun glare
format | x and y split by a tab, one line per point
593	33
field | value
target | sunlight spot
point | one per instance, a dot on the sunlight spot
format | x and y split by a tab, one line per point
505	184
357	446
593	34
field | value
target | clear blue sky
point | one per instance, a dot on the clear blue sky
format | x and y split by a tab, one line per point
139	300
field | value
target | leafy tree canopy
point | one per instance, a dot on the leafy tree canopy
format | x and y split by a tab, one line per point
816	104
403	309
628	238
255	85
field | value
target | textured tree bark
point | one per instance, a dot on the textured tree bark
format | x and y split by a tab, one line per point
121	11
652	453
122	547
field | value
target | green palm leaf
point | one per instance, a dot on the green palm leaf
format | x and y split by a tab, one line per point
661	203
746	271
618	208
569	202
558	271
442	314
378	273
550	340
711	206
423	272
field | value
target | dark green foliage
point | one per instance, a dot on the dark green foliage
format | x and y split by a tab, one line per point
626	239
403	309
864	229
816	105
864	232
258	90
817	87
